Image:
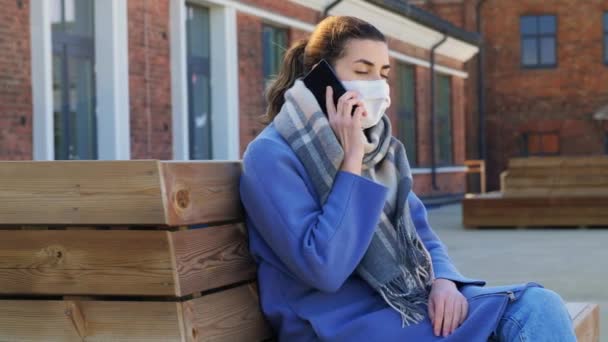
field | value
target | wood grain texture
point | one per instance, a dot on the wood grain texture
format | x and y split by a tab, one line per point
84	249
556	177
71	262
201	192
586	321
49	321
496	210
80	192
133	192
123	262
211	257
561	161
231	315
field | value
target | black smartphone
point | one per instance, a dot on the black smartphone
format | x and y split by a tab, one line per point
321	76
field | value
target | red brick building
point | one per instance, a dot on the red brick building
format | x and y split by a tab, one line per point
118	79
545	76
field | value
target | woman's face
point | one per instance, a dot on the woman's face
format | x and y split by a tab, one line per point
363	59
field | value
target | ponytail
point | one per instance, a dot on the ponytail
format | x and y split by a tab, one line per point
293	67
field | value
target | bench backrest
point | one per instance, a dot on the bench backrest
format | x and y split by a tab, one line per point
556	176
86	232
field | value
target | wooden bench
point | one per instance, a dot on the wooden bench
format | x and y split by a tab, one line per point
101	251
544	191
586	318
105	251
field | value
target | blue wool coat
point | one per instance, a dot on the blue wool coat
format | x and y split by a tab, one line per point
307	254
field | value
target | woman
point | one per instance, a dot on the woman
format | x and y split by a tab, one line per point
343	246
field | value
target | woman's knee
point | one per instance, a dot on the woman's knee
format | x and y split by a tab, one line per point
543	301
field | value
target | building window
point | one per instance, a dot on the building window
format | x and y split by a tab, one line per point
606	37
274	45
73	70
443	120
538	41
406	110
199	90
540	144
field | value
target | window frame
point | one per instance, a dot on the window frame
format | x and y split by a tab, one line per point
525	152
401	67
276	30
225	90
440	163
66	45
111	80
198	65
537	36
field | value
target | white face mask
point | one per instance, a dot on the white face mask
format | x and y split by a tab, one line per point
376	96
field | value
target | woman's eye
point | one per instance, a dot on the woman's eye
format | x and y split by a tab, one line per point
361	72
385	76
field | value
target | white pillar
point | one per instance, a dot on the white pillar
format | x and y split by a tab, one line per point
42	80
179	82
112	79
224	83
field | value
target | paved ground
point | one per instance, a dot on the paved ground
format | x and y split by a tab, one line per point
572	262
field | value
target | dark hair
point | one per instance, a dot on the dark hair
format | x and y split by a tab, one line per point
327	42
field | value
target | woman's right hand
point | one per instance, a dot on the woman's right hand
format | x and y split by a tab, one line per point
347	128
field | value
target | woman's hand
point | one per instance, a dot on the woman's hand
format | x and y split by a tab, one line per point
347	128
447	307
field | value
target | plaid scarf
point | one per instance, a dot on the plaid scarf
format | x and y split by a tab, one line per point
396	263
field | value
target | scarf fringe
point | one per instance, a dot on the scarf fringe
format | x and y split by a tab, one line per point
407	305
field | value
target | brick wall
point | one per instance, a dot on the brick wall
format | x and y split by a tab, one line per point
452	11
15	81
521	100
251	85
447	183
150	87
462	13
561	99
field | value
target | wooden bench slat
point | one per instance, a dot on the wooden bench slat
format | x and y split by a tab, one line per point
122	262
133	192
84	249
497	210
212	257
231	315
586	322
53	320
559	161
201	191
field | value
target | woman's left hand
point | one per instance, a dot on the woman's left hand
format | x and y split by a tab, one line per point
447	306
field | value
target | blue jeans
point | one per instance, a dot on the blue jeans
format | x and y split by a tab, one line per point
538	315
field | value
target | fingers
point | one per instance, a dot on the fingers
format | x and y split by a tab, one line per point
432	310
448	316
358	115
346	102
455	317
439	315
464	310
329	102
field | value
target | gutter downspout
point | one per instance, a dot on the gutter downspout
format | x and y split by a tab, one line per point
480	87
432	71
330	6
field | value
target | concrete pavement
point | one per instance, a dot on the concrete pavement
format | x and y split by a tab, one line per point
572	262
